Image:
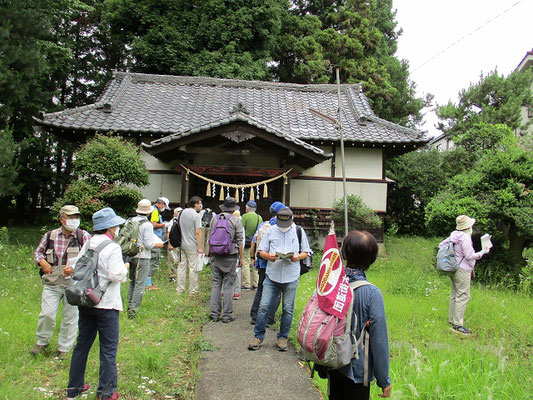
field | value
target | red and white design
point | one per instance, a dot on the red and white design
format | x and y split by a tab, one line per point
332	285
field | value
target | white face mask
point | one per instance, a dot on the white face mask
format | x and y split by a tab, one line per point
117	231
72	224
284	229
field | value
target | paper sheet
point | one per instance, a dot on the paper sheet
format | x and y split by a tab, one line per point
485	241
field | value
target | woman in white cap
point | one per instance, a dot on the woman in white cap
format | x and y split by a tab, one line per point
466	258
103	318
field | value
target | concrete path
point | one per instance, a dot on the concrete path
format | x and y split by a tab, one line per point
232	372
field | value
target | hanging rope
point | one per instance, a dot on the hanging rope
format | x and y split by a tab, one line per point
241	186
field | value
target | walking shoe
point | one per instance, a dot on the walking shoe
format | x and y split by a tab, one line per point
255	344
38	349
254	287
152	287
115	396
85	388
132	314
245	288
461	329
214	318
62	355
252	321
228	319
236	296
283	344
170	280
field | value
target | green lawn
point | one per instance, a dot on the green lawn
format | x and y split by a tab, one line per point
159	351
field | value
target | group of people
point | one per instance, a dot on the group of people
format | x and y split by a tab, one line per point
269	255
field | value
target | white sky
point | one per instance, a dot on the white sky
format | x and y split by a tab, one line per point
431	26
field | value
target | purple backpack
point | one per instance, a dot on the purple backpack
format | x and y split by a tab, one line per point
220	240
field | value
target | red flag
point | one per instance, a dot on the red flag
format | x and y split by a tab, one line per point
332	285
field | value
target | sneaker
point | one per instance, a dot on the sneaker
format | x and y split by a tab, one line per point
151	287
214	318
38	349
170	280
227	320
132	314
254	287
236	296
115	396
283	344
245	288
255	344
85	388
62	355
461	329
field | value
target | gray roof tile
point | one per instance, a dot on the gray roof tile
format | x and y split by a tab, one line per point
179	105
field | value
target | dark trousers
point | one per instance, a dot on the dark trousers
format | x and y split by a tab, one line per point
106	324
342	388
257	300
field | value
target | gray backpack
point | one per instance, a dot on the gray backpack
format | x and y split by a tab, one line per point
446	261
84	289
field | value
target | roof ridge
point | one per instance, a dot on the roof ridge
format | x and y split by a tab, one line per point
409	131
254	84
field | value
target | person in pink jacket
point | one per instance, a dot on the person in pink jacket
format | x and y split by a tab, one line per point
466	257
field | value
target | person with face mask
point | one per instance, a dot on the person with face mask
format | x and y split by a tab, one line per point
466	258
55	255
156	219
103	318
281	248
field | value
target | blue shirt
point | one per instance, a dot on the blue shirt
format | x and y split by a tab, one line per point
283	271
157	217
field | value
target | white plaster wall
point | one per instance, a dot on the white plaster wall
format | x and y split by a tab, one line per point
168	185
360	163
322	194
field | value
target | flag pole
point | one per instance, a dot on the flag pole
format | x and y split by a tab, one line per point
341	137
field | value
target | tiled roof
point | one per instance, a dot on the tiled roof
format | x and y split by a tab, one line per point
175	106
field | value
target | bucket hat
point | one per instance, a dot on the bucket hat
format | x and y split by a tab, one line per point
284	217
106	218
144	206
230	205
464	222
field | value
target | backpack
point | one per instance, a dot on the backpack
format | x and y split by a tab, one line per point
128	237
207	217
307	263
84	290
446	261
327	340
174	235
220	241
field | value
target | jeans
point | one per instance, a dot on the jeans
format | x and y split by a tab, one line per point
50	302
271	290
257	300
139	268
105	322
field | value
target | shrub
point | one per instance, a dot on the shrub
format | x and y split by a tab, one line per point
360	216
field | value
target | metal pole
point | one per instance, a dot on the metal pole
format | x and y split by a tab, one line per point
339	127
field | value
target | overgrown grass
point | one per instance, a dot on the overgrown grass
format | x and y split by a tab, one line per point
428	361
159	351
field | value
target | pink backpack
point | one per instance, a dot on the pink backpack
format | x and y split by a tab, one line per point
326	339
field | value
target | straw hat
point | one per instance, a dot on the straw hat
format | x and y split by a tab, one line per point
464	222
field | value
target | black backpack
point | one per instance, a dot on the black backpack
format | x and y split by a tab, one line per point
174	236
307	263
84	289
206	218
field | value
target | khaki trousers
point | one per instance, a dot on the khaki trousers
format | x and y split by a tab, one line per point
459	296
187	261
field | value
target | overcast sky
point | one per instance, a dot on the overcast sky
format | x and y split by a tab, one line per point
483	34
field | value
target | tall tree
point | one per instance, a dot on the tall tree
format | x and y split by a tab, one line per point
359	37
210	37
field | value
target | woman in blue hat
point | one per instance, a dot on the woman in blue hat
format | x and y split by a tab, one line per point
103	318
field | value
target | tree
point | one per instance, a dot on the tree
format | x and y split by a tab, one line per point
495	99
211	38
360	216
8	172
358	37
497	192
106	165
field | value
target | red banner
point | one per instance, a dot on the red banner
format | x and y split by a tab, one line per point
332	285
